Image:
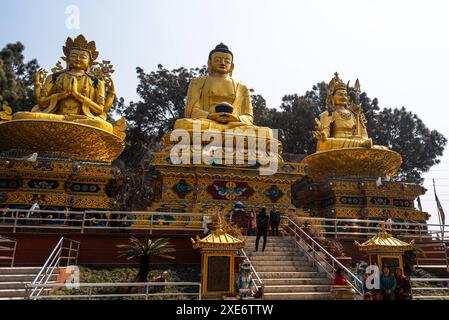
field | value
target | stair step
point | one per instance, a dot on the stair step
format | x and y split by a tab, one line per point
278	258
277	254
20	277
297	296
272	269
7	293
12	285
271	249
20	270
296	281
277	263
297	288
290	275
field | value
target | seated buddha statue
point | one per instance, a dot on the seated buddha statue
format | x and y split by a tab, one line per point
217	101
76	93
344	124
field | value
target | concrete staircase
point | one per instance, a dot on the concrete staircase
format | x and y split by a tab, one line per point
13	280
286	272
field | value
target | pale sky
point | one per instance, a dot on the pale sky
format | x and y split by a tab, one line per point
398	49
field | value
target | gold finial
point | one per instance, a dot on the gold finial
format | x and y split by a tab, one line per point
80	43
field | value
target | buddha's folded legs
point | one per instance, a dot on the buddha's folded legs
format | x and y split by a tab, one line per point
340	143
238	127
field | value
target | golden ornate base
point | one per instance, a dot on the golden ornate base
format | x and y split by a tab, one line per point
353	162
198	188
61	184
61	138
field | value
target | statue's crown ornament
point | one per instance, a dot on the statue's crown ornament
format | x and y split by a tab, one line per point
337	84
80	43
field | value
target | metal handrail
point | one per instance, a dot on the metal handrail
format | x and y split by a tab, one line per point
4	239
358	286
90	295
53	262
262	285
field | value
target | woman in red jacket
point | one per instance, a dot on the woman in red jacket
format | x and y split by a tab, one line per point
339	278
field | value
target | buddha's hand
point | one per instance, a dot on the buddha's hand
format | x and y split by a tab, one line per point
39	79
224	117
319	133
74	91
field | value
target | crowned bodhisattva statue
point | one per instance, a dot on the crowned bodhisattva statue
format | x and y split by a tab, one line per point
344	124
80	92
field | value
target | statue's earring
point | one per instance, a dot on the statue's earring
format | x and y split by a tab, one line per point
232	69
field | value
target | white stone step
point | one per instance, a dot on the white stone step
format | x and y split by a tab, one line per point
20	270
296	288
8	293
277	258
252	254
284	269
20	277
277	263
297	296
290	275
296	281
12	285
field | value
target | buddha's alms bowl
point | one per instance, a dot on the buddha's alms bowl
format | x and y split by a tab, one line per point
224	107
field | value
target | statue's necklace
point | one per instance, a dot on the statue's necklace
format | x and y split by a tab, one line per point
344	115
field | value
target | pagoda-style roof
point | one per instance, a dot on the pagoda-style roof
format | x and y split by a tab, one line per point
385	242
218	239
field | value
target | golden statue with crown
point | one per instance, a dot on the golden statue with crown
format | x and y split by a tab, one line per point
343	145
71	110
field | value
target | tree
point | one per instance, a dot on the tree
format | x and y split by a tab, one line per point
144	251
405	133
17	78
162	99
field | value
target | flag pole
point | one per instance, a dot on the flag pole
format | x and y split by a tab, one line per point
438	209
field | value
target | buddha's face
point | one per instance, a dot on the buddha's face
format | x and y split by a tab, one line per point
221	63
78	59
340	98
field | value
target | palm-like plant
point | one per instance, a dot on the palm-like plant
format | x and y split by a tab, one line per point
144	250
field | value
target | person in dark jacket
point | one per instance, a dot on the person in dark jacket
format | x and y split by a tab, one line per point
403	286
262	228
275	221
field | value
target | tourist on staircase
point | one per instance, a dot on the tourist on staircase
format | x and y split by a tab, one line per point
275	220
403	286
339	279
387	284
262	228
252	223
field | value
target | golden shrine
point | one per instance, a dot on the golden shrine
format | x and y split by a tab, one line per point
384	249
349	176
218	253
224	153
59	154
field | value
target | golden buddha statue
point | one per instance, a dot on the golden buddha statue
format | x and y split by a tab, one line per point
78	93
218	102
344	125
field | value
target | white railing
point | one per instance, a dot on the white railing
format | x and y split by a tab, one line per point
9	246
16	220
343	227
261	286
443	288
143	290
65	253
326	261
